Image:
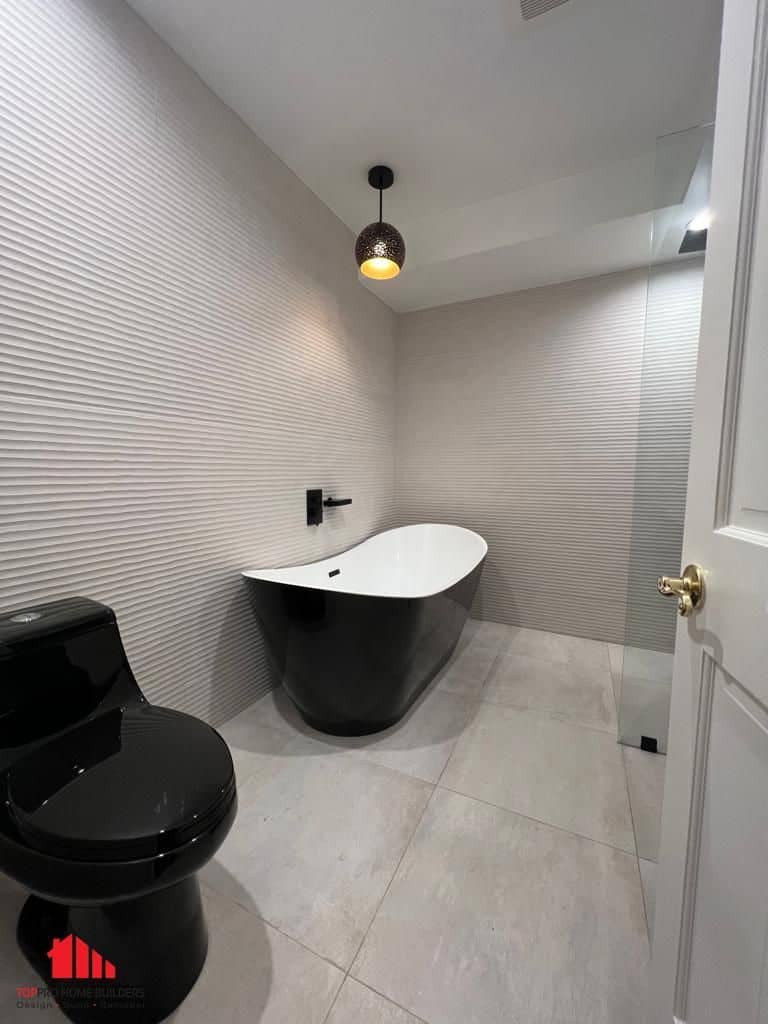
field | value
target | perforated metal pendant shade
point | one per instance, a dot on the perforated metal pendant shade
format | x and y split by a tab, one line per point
380	251
380	248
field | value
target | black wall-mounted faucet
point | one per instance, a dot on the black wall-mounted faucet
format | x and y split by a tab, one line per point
315	505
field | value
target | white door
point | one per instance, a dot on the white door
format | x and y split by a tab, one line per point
709	963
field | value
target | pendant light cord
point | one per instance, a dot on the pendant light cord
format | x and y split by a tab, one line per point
381	193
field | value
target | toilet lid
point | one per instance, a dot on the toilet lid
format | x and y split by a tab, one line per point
132	782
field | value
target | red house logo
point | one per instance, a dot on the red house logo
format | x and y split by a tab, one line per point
73	958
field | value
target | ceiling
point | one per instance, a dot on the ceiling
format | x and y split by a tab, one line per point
515	143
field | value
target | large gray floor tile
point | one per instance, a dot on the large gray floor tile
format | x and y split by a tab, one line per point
466	672
551	770
571	650
316	842
255	974
357	1004
616	658
275	710
495	919
578	694
482	632
648	876
418	745
252	744
645	777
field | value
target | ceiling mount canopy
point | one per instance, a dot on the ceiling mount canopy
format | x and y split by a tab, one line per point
381	177
380	248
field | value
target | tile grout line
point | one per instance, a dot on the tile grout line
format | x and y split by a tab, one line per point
320	956
336	995
376	912
628	788
476	704
387	999
347	974
539	821
394	875
637	848
271	924
420	1020
557	716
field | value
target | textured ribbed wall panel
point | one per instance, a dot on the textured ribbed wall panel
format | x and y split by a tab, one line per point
663	443
517	417
184	349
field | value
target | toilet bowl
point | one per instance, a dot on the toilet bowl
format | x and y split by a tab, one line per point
110	805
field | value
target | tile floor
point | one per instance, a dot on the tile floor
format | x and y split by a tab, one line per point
475	864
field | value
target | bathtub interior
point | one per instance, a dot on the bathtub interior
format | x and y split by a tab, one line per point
409	561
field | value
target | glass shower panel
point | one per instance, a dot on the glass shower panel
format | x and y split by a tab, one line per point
675	277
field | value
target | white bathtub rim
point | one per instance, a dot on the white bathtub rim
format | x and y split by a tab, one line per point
394	581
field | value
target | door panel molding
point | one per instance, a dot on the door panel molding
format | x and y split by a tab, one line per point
746	702
742	533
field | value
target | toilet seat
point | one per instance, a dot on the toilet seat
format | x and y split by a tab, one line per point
130	783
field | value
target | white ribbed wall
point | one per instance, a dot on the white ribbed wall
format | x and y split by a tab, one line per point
518	417
184	348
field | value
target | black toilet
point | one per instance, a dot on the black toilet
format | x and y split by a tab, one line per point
109	807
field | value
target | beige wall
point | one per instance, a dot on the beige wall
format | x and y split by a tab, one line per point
184	348
518	417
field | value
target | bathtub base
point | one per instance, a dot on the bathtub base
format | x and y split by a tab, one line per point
351	727
347	728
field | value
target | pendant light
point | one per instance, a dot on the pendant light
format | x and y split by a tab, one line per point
380	249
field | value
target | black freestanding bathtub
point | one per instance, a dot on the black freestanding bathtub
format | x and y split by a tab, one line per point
355	638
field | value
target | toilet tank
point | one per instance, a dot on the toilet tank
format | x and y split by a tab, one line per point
59	662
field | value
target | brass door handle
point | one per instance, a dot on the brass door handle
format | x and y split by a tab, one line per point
688	588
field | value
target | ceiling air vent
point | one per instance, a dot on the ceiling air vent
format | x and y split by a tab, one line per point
533	8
